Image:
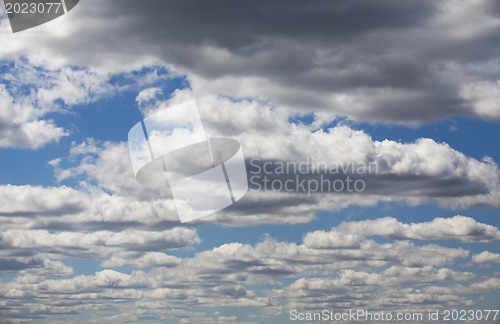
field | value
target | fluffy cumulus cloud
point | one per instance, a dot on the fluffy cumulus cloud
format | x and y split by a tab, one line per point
485	257
21	125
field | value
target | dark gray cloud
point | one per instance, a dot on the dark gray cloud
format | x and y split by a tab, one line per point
11	264
401	62
378	182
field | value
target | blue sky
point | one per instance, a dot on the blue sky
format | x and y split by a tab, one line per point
83	241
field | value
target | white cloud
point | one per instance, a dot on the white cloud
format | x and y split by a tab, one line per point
91	209
147	260
99	244
331	240
485	96
465	229
48	268
21	126
485	257
146	99
63	241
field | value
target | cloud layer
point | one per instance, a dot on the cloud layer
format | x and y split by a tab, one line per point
381	62
290	81
328	269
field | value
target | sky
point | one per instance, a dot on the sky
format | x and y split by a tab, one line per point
409	87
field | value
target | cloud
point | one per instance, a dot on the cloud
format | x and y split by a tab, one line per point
48	268
424	170
381	62
30	93
110	198
255	70
462	228
420	172
331	240
304	293
485	257
21	126
63	242
146	99
31	249
363	273
486	97
147	260
86	210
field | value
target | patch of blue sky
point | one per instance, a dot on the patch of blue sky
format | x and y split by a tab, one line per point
87	267
298	119
28	167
